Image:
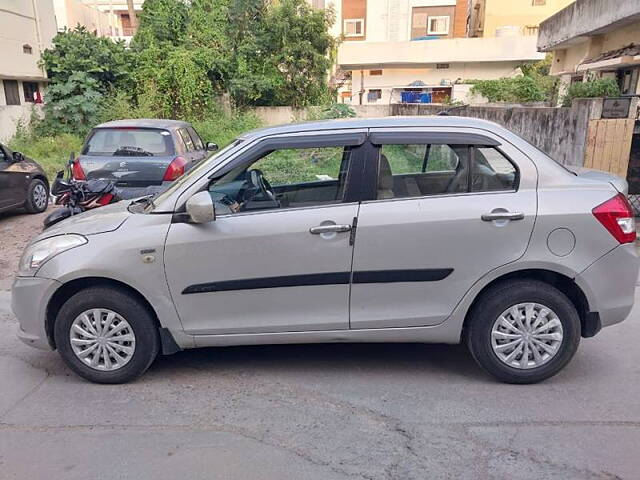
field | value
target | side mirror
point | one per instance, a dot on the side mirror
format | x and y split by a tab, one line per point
18	157
212	147
200	208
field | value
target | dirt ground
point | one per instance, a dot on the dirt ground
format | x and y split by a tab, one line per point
16	229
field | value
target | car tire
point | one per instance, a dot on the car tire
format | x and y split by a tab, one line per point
125	344
492	331
37	196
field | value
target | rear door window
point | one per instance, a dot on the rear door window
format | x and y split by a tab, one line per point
186	138
129	142
197	141
410	170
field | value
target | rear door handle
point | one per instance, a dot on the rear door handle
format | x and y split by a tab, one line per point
490	217
320	229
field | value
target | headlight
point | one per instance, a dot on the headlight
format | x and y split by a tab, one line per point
38	253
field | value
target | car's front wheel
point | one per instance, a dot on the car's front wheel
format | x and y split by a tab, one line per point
523	331
37	196
106	335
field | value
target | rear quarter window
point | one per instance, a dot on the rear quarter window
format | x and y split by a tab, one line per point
127	142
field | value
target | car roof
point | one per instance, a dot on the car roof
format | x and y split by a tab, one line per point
382	122
145	123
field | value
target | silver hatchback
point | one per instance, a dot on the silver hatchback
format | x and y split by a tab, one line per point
426	229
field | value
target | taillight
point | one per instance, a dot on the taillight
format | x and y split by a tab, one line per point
616	215
76	170
105	199
175	169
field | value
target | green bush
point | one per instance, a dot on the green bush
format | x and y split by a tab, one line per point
71	106
515	90
602	87
222	128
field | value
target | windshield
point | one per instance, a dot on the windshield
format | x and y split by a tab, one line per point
129	142
191	174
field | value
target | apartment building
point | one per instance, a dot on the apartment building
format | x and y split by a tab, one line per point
419	50
492	18
119	9
595	39
71	13
422	50
27	28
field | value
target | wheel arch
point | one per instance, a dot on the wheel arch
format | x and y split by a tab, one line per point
70	288
562	282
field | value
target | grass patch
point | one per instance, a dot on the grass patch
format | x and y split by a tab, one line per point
51	152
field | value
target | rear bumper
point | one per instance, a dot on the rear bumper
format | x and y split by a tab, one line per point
610	283
29	299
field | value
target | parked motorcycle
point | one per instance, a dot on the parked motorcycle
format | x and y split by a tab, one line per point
76	196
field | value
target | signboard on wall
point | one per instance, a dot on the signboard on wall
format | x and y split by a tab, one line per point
616	107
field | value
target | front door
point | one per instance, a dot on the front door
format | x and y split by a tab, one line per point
278	256
448	209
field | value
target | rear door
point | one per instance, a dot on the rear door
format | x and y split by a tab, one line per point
446	208
190	154
199	149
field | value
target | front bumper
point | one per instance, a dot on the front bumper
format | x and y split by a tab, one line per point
610	282
29	299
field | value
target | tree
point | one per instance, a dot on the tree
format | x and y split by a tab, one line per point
295	40
162	23
262	54
79	50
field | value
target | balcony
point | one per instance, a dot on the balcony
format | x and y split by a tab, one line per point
586	18
412	54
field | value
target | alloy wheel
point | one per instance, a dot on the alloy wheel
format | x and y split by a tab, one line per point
40	196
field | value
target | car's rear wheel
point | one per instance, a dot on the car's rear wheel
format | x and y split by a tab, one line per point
106	335
37	196
523	331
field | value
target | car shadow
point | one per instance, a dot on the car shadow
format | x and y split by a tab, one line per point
390	358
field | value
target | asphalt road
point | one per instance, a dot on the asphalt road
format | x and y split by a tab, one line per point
322	412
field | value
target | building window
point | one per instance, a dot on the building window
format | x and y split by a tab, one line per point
539	3
11	92
375	73
30	91
318	4
26	48
628	81
438	25
442	66
374	95
354	27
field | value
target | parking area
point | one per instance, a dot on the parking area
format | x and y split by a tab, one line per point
317	411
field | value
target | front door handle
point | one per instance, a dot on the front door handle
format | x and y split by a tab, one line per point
320	229
490	217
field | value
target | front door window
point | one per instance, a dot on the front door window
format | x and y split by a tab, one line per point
285	178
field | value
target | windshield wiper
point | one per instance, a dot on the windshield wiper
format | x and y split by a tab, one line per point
147	200
127	151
